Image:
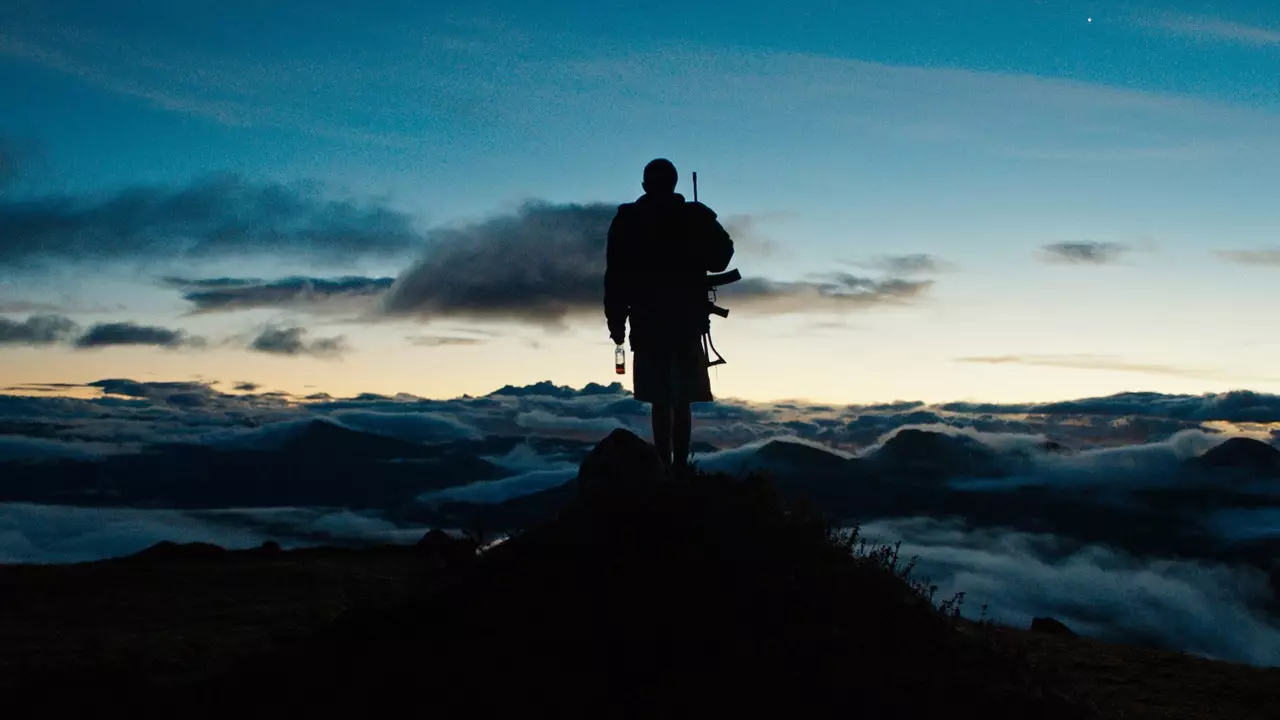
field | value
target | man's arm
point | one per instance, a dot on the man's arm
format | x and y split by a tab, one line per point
617	300
717	246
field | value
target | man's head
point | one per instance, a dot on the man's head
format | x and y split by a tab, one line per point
660	177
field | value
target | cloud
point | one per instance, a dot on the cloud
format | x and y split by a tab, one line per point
237	104
247	386
748	236
37	330
127	333
412	426
1212	29
301	293
497	491
444	340
138	411
291	341
546	422
1269	256
181	394
55	534
1205	608
834	291
1092	362
1083	253
546	262
27	306
915	264
539	264
213	218
1234	406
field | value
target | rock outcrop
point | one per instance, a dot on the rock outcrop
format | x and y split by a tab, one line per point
1049	626
621	462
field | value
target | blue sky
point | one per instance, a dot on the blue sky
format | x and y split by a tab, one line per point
1095	199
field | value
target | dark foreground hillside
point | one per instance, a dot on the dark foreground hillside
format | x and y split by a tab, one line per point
645	598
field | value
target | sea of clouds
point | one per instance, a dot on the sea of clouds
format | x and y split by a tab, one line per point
1111	447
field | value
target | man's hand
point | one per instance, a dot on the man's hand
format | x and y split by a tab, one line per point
618	338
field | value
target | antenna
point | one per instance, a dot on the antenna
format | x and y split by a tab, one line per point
695	186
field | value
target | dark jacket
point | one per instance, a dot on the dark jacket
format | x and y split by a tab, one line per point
660	250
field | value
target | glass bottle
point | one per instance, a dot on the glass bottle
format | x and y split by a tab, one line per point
620	361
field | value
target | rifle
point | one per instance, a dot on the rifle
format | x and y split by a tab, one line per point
718	279
713	283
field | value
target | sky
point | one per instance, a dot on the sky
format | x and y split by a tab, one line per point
1010	201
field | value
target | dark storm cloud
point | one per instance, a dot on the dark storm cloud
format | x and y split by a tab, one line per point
1252	257
1083	253
308	293
546	262
292	341
37	330
126	333
218	217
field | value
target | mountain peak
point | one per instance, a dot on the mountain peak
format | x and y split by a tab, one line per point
325	438
936	454
546	388
1244	453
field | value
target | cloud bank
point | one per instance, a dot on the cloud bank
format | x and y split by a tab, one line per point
1104	456
213	218
55	534
1205	608
209	295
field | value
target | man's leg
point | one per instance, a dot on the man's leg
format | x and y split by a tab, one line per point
682	429
662	432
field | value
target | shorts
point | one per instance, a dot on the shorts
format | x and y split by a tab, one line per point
672	375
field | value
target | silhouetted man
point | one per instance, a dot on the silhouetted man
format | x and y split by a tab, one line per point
660	250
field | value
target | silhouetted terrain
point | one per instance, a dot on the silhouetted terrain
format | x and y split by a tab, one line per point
640	598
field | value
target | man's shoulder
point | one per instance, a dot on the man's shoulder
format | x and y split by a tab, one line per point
629	209
698	210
